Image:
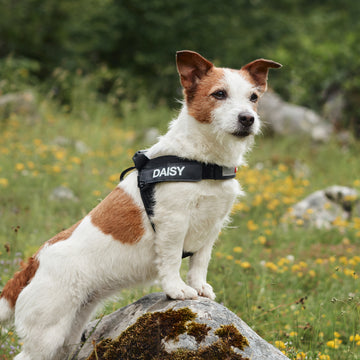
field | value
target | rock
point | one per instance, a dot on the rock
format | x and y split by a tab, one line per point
323	207
79	145
63	193
284	118
23	103
159	328
333	109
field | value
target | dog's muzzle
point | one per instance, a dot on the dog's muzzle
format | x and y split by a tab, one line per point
245	124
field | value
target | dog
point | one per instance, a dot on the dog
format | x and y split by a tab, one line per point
121	243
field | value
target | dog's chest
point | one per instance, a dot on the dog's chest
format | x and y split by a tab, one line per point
202	206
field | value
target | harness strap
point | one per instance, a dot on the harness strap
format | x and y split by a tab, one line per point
170	169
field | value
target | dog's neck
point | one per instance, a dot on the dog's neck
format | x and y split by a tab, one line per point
191	139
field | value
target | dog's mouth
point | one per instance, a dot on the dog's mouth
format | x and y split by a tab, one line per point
242	133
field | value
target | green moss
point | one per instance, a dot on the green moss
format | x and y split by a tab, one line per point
145	339
198	331
230	334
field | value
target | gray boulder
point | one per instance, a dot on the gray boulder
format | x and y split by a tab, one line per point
23	103
285	118
155	327
321	208
62	193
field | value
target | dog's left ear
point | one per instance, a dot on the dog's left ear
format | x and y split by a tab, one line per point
258	70
191	67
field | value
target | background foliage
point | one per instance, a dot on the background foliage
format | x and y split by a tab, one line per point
317	41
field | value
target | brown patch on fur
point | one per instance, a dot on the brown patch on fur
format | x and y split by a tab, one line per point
200	101
63	235
22	278
117	215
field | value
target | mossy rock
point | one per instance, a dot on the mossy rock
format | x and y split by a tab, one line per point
157	328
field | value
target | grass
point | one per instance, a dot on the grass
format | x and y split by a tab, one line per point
297	287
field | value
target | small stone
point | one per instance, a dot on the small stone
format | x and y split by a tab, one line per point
321	208
63	193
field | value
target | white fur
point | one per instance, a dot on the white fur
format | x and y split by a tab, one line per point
6	311
225	117
76	274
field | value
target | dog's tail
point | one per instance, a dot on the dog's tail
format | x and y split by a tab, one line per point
13	288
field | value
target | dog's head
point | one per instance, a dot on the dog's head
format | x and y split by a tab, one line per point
225	98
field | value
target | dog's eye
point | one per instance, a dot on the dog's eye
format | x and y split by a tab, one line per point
254	97
220	95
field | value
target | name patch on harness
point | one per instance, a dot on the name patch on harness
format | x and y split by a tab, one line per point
168	171
182	171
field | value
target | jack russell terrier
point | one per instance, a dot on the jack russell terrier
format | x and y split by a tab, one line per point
173	204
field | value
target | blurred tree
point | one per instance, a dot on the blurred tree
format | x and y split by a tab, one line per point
317	41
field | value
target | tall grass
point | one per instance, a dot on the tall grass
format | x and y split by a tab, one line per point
297	287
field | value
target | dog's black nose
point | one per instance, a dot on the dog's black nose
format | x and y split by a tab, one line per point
246	119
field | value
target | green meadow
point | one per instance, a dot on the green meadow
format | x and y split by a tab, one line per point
297	287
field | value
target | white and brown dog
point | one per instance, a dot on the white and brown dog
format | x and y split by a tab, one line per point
115	245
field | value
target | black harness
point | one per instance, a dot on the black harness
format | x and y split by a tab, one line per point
169	169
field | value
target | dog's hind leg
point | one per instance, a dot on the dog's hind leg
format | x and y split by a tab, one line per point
45	341
83	316
44	329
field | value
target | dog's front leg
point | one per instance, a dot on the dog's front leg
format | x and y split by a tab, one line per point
169	247
198	270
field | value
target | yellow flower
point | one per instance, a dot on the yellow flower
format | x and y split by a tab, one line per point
295	268
238	249
240	207
31	165
76	160
19	166
114	178
4	182
280	345
56	169
60	155
334	344
336	334
96	193
262	240
252	226
245	265
282	168
270	265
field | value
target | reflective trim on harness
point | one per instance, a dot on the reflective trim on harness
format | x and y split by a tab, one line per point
170	169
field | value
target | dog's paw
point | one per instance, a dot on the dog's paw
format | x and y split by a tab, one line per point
205	290
180	291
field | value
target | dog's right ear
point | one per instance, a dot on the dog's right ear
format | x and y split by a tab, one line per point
191	67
